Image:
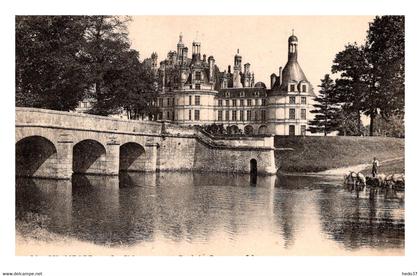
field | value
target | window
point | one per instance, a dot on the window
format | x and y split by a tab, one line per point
173	101
227	94
197	100
168	115
227	102
263	115
233	102
304	88
292	100
241	115
197	86
248	115
256	115
234	115
168	101
197	115
263	102
303	100
189	114
219	115
197	75
303	114
292	113
220	102
303	130
292	130
242	94
249	102
190	100
241	102
292	88
160	102
227	115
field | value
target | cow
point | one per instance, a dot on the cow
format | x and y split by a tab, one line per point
354	179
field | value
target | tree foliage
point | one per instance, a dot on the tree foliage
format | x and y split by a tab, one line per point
49	72
62	59
371	76
326	108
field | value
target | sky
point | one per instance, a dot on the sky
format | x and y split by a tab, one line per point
261	40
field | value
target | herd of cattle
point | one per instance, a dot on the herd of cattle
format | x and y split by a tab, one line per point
392	181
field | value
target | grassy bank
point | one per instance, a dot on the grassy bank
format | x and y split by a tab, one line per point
317	153
390	167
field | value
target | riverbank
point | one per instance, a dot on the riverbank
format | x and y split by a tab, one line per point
318	154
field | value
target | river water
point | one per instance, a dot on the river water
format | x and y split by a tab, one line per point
207	214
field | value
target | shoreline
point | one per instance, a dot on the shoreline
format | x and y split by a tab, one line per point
340	171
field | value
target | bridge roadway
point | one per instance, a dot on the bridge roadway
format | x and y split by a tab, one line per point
56	144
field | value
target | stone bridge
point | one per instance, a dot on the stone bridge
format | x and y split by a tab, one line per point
55	144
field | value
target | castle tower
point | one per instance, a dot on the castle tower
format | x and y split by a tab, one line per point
292	75
291	92
180	48
293	43
237	69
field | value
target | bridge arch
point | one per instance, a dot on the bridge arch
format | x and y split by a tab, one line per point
262	129
248	130
36	156
233	129
89	157
132	157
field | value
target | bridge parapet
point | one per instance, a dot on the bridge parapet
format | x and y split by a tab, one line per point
98	144
72	120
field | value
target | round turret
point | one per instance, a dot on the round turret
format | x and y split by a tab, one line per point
293	38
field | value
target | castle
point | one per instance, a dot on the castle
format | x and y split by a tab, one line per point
193	91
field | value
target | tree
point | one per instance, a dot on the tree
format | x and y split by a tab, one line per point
326	109
133	85
118	79
392	126
385	52
353	83
372	76
49	72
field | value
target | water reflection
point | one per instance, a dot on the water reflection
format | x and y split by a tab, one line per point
202	208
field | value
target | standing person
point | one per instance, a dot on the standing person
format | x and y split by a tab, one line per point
375	166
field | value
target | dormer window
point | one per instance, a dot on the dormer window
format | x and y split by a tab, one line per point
292	87
197	86
242	94
304	88
227	94
197	75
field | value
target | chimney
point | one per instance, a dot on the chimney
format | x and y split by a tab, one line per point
204	58
273	80
196	51
280	75
211	67
229	69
